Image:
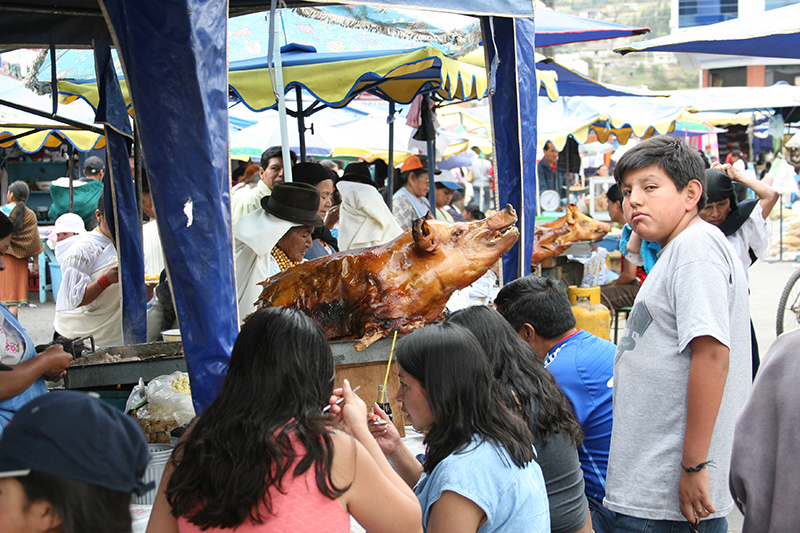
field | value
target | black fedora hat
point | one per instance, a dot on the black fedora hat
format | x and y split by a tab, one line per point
719	187
358	172
311	173
294	202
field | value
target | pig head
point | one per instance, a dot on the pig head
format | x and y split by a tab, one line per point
557	236
402	285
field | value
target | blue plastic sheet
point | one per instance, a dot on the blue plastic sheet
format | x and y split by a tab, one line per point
175	63
122	212
515	132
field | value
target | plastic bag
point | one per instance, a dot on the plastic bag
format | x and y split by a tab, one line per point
166	397
595	271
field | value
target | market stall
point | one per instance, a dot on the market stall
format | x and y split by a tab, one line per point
181	108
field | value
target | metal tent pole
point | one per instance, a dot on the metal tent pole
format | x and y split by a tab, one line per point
390	163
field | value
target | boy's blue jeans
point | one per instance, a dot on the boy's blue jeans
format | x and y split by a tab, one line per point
629	524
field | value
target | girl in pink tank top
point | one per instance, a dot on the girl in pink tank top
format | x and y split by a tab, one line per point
299	507
264	457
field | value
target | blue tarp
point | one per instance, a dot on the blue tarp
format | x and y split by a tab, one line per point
515	132
174	56
554	28
122	211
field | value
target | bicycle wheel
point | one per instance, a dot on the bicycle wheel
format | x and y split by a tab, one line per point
789	305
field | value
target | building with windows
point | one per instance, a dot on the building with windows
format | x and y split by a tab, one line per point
732	71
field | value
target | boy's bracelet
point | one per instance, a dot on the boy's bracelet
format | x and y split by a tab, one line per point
689	469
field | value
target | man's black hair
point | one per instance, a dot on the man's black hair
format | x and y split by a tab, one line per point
614	194
276	151
678	160
539	302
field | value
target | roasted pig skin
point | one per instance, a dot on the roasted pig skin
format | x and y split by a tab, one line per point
402	285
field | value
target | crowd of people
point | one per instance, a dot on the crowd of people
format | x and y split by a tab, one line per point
530	423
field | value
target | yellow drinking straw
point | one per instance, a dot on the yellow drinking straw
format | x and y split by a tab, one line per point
386	378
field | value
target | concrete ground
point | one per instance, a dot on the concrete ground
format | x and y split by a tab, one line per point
767	279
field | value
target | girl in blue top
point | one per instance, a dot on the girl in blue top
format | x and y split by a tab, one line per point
479	473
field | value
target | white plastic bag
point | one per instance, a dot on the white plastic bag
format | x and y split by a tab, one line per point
595	271
166	397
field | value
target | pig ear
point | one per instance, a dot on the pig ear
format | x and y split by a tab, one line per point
570	214
423	235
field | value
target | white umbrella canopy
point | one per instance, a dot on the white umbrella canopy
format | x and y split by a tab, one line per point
250	142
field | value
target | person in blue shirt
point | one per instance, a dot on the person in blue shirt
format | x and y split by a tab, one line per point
583	366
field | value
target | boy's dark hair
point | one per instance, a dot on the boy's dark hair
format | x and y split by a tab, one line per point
614	194
276	151
539	302
81	507
677	159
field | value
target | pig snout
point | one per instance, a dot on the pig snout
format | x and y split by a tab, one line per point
502	219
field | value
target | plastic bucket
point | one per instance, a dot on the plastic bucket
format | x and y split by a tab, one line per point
171	335
155	469
55	278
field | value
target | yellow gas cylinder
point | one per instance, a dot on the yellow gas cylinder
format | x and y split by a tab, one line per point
590	314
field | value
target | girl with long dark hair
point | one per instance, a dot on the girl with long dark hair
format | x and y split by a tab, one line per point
531	391
25	244
479	471
265	457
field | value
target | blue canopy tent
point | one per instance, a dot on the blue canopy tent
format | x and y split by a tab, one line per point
555	28
774	33
571	83
174	58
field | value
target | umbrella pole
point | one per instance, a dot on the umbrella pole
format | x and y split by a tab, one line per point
426	103
301	126
53	78
390	163
281	97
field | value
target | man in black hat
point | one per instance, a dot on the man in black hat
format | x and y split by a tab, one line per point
273	238
746	224
85	192
323	178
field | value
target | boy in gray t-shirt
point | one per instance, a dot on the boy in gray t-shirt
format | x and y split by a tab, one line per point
682	368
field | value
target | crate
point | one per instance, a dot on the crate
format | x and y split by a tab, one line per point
114	398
